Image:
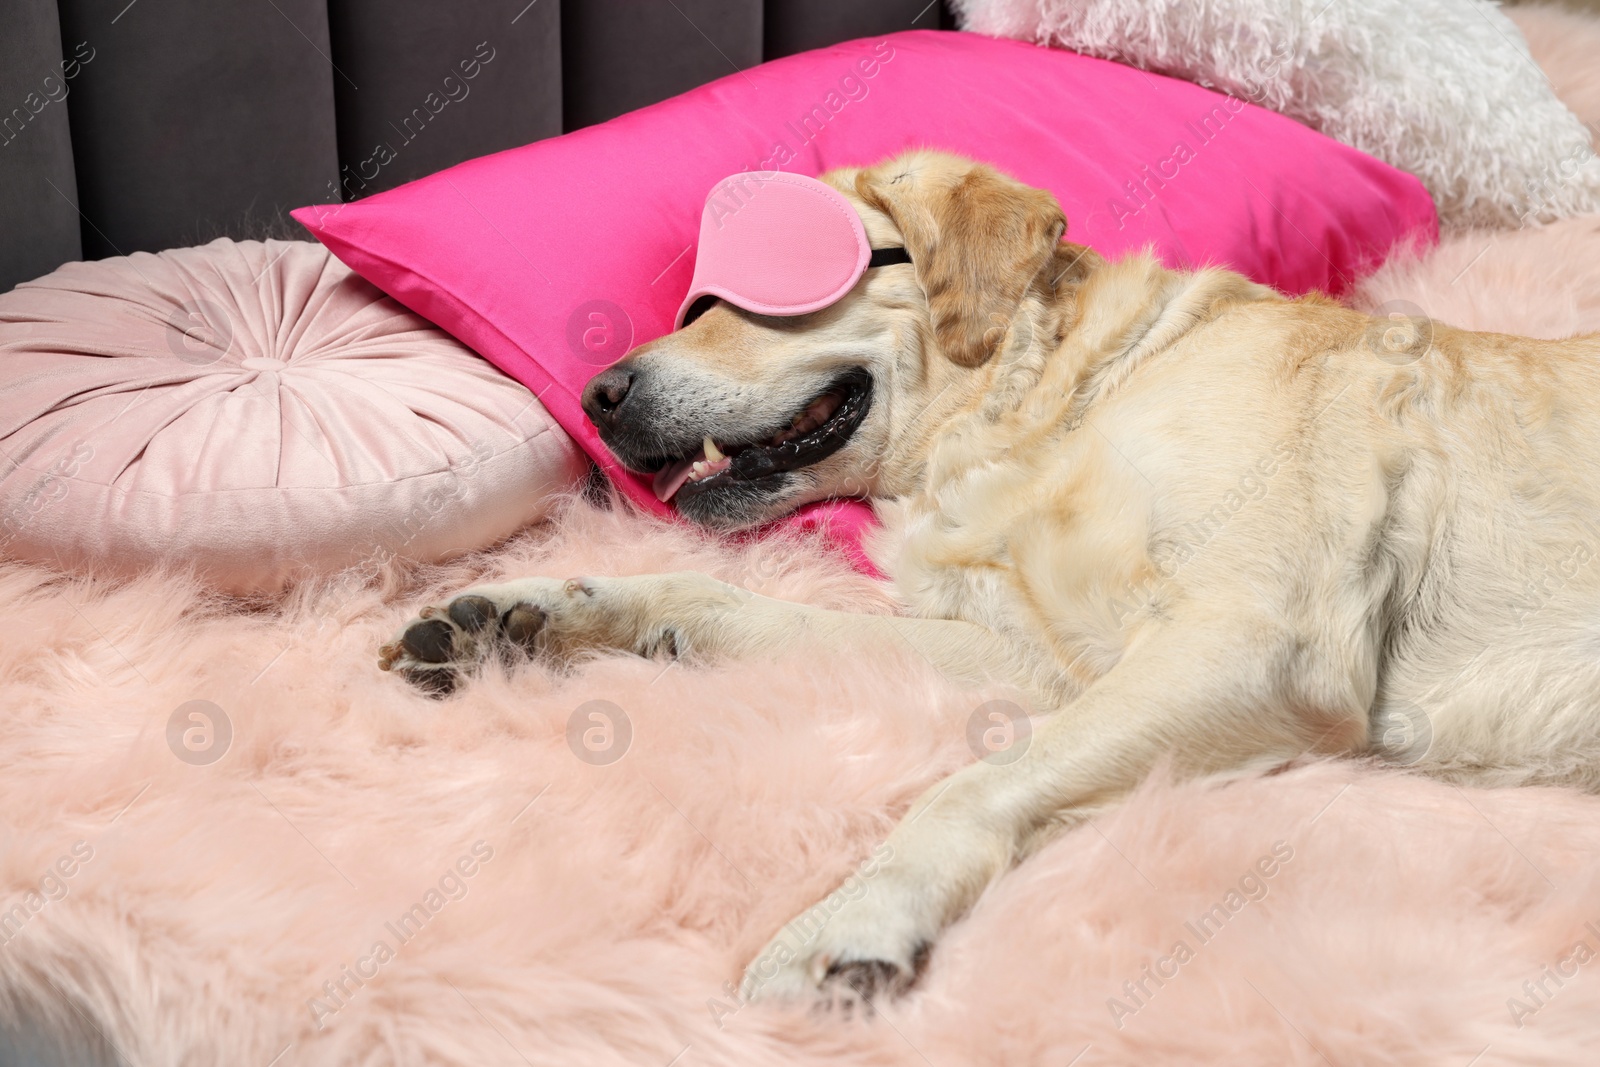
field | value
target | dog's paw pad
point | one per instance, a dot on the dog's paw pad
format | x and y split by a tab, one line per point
523	625
443	645
869	980
472	613
438	682
429	640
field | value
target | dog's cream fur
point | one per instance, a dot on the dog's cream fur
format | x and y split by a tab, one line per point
1201	524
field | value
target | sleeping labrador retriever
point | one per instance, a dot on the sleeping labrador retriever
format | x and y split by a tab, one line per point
1201	524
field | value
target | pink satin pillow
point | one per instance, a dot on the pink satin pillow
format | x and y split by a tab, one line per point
552	260
258	412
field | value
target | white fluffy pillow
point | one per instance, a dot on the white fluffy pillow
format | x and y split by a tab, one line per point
1444	89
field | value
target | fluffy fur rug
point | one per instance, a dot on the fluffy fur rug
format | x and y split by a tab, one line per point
1566	45
366	876
573	912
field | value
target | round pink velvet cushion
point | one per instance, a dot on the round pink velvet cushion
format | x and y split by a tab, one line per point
259	412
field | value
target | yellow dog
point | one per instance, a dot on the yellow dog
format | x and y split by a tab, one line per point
1196	521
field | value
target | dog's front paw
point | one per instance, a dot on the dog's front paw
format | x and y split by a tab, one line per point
853	945
443	642
554	619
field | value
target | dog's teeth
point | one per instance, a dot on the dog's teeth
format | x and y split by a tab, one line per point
713	453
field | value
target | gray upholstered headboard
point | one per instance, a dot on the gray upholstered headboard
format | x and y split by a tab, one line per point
129	125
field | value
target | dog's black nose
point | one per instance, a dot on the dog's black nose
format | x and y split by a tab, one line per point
603	396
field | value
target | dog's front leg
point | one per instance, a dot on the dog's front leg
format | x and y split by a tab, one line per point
1207	700
682	614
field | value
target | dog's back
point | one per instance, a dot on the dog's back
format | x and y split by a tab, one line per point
1420	504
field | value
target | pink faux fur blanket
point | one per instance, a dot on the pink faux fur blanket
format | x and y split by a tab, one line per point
366	876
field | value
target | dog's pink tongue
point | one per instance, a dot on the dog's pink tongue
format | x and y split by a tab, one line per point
670	479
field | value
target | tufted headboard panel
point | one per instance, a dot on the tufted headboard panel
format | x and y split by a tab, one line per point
132	125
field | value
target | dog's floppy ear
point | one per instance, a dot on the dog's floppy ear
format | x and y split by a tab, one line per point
976	237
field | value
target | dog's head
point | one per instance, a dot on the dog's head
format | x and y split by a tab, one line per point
766	413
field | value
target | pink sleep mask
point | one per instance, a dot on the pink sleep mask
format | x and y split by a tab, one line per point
779	244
